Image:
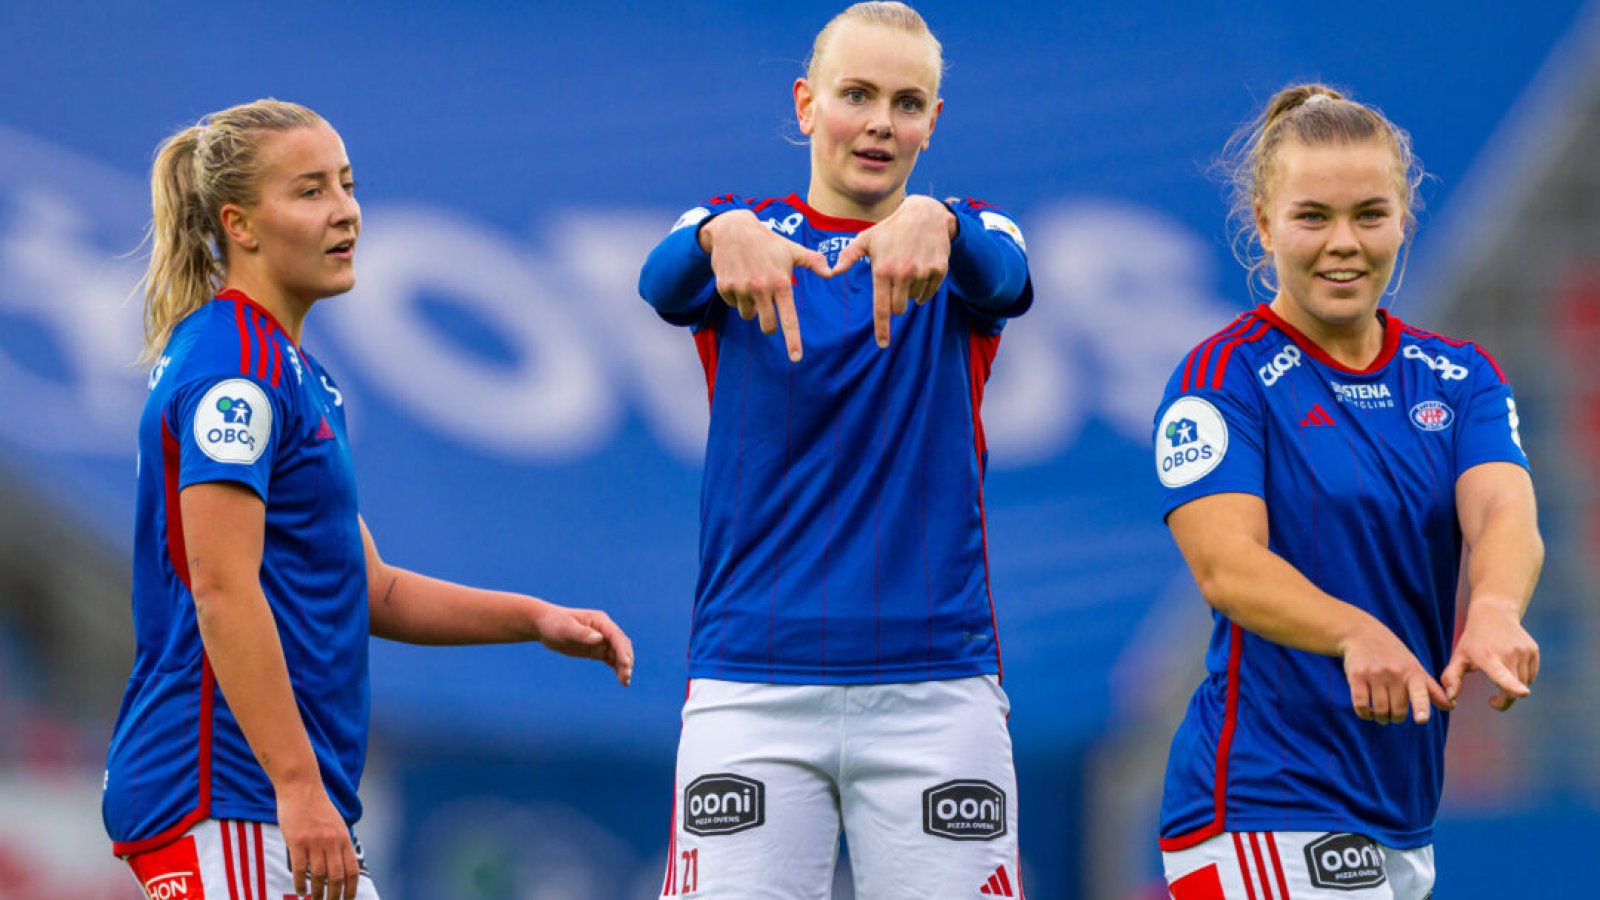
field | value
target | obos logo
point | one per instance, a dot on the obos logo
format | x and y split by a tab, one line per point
233	422
1276	367
964	811
1431	415
1345	862
1191	440
723	804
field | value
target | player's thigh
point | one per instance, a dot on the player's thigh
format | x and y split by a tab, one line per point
928	790
225	860
756	812
1306	865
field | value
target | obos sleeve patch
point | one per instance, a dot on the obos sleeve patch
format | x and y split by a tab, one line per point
233	422
1190	441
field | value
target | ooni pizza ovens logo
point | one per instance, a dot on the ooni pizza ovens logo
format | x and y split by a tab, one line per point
1345	862
723	804
964	811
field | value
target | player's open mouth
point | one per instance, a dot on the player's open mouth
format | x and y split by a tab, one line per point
343	249
874	155
1341	276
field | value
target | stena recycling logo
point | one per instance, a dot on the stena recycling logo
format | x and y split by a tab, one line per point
1190	441
1432	415
233	422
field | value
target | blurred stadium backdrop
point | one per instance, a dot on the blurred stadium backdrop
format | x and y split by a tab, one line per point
521	419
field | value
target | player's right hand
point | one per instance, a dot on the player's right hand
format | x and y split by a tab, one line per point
321	854
1386	680
754	270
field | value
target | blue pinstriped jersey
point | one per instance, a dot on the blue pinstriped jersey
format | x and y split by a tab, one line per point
233	399
1358	472
842	524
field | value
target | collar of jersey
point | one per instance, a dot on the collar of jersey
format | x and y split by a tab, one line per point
1392	327
239	296
824	222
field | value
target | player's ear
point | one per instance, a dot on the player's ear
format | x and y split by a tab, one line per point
933	120
237	228
804	106
1263	233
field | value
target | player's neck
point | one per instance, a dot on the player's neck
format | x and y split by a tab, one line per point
1353	345
289	312
823	198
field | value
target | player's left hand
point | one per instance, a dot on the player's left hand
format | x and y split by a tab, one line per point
1494	643
910	253
587	634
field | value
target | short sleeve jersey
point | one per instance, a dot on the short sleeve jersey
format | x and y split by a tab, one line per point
842	523
1357	470
233	399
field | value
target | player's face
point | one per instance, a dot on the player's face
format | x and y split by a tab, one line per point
306	219
1334	221
868	112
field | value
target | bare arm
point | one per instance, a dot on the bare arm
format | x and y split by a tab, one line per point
1499	524
416	609
223	529
1224	539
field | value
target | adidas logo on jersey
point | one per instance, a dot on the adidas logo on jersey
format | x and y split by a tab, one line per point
998	885
1317	417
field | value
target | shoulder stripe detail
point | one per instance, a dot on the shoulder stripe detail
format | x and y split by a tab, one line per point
244	338
1204	347
1221	367
260	323
1422	333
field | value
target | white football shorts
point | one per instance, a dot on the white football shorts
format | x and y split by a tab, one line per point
918	775
225	859
1303	865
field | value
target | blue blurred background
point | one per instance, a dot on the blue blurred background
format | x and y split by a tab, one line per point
521	420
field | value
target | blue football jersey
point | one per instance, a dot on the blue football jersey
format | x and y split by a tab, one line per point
1358	472
232	398
842	524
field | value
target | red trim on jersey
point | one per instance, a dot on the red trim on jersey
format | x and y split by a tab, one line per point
763	204
707	342
1221	368
826	222
1422	333
982	349
1391	342
244	299
176	551
260	323
245	345
1203	348
1230	720
1277	865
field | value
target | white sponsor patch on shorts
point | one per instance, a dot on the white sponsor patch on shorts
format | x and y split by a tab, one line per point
1190	441
233	422
692	217
996	222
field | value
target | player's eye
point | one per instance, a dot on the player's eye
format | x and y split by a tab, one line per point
911	104
855	95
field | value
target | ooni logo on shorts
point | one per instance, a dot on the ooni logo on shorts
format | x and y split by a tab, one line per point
1345	862
233	422
1191	439
964	811
723	804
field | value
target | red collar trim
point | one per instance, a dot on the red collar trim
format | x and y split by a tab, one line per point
1392	327
826	222
239	296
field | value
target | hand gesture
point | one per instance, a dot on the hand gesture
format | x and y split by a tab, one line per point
587	634
1495	643
754	270
910	253
1386	678
321	855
